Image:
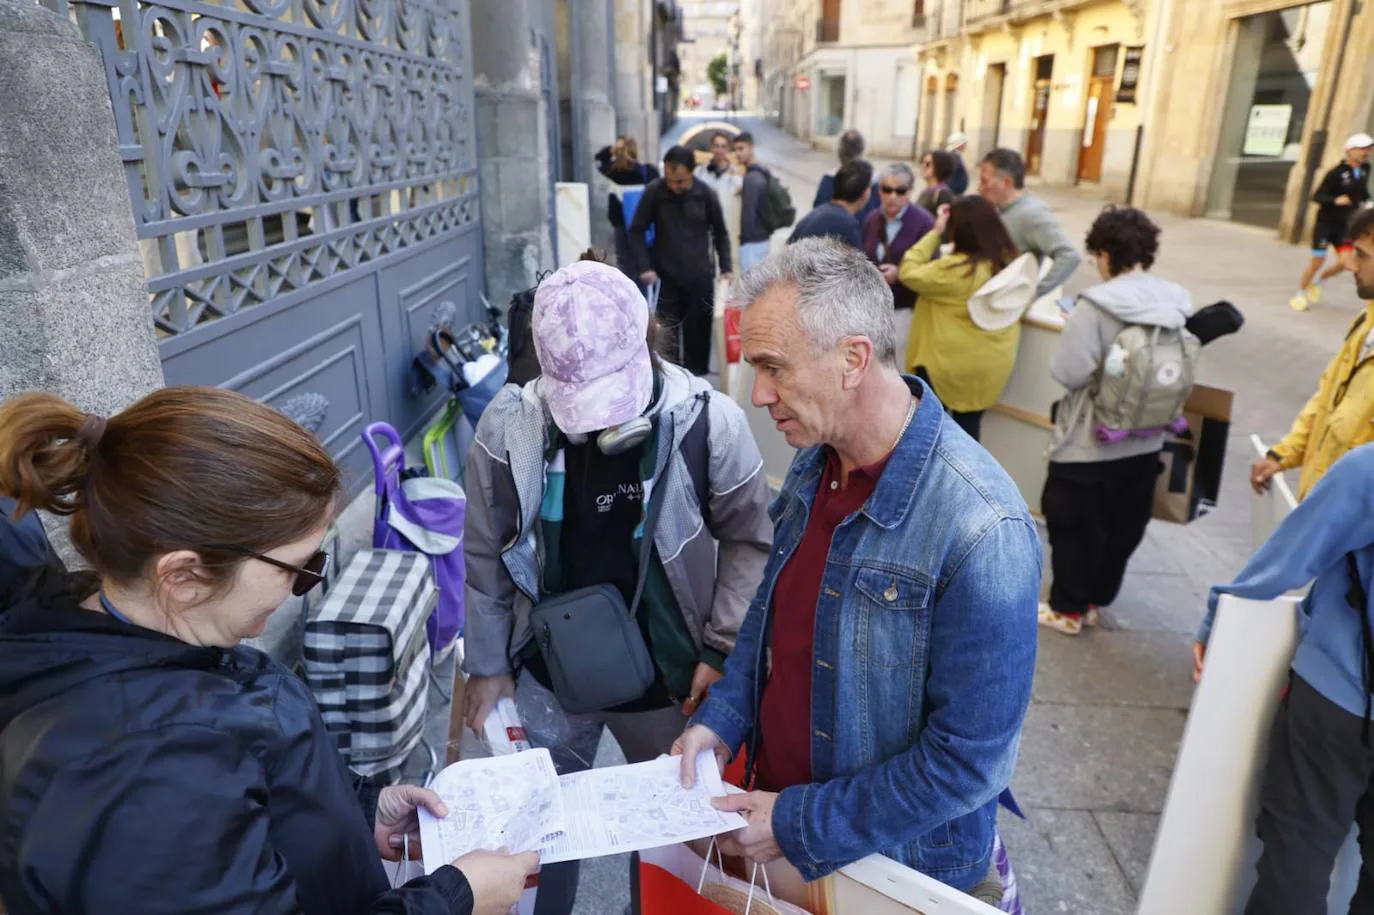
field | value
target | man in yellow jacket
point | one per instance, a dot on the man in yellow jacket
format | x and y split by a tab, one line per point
1340	416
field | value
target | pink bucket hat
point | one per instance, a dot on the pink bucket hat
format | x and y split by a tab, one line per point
590	322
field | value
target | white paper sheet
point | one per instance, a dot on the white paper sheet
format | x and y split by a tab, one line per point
512	802
517	802
628	808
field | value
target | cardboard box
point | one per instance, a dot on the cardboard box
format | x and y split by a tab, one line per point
1190	482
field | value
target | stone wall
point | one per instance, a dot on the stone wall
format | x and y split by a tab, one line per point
512	147
75	317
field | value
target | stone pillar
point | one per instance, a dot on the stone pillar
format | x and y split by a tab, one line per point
75	316
593	115
634	96
512	148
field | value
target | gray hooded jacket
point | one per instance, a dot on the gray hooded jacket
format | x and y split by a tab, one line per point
505	481
1102	312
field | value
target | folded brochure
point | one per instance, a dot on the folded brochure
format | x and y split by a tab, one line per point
520	803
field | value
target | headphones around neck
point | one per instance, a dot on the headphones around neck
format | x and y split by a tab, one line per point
619	439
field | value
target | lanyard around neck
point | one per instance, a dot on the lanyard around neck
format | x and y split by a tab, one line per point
113	611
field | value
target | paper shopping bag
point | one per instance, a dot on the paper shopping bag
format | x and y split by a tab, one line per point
712	891
1190	481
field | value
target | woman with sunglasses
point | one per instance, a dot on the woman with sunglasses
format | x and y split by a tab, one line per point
890	231
937	168
153	764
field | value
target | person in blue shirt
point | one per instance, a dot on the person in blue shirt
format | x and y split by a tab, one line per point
853	189
1319	778
850	148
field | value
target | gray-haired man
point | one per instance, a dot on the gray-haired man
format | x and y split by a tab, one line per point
883	670
1030	222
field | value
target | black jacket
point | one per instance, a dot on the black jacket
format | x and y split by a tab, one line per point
685	228
1342	181
142	775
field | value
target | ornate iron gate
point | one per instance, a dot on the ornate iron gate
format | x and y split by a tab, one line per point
304	180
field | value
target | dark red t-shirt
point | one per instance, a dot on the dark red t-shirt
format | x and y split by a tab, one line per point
785	716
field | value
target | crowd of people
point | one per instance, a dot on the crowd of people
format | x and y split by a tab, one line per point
866	640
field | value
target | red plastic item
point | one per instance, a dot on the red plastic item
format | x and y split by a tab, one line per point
732	344
661	893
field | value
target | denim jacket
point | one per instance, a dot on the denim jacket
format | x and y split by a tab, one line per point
924	655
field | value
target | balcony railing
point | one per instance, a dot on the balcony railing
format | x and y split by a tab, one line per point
983	9
827	31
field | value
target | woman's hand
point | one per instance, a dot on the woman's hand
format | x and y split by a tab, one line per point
396	819
942	219
889	272
497	879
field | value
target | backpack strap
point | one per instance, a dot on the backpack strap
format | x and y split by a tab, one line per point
696	451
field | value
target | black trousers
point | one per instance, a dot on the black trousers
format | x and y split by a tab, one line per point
971	422
687	307
1096	515
1317	783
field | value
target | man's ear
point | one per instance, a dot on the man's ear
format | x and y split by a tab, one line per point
857	353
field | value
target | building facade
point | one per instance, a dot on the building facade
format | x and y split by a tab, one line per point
707	31
1061	83
830	65
1255	100
1230	109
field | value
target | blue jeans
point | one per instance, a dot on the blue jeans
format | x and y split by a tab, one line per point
752	253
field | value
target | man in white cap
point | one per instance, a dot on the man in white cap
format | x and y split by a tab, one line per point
566	478
1343	192
955	146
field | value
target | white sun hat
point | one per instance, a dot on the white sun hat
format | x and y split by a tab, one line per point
1359	141
1001	301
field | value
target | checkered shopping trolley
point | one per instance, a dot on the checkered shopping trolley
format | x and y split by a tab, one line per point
367	659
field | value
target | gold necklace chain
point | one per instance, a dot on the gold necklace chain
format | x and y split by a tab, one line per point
910	414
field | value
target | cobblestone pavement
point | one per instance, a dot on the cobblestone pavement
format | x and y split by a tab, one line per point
1109	707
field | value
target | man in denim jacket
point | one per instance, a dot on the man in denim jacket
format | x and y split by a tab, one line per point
884	668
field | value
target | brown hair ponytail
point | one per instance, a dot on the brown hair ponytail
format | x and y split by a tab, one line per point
185	468
42	465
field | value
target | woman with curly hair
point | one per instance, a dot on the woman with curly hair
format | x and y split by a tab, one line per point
1099	493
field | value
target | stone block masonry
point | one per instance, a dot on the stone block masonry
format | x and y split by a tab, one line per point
75	317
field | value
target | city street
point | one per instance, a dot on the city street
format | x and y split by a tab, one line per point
1109	706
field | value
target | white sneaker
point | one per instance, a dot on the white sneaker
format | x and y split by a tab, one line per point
1066	623
1299	302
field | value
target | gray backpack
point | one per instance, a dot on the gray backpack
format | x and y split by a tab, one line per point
1146	378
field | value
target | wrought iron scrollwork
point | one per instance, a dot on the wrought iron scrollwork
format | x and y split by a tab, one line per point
270	144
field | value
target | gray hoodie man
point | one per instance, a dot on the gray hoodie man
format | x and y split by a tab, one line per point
1101	313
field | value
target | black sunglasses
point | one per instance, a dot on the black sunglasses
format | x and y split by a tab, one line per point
889	189
307	576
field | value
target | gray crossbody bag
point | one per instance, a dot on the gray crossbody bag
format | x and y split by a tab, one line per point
591	642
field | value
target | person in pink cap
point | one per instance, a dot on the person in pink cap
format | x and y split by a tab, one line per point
564	478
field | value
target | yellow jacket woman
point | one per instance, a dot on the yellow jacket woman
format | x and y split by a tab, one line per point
966	366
